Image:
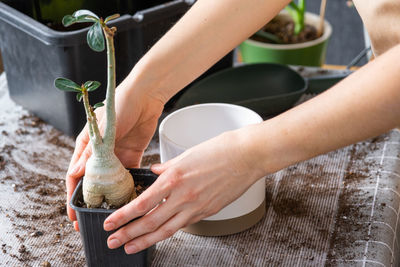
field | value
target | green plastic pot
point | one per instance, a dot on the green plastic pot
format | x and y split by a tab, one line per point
310	53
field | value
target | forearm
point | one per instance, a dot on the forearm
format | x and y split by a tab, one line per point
364	105
208	31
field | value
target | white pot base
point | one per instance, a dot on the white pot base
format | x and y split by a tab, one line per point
227	226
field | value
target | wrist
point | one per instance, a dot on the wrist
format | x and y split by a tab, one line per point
146	82
266	147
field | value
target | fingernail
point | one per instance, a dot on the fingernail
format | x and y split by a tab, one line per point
130	249
114	243
155	166
109	226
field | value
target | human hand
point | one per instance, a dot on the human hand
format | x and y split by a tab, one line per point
196	184
137	117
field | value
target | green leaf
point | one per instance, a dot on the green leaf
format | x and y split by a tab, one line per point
68	20
95	37
67	85
100	104
85	12
111	17
85	18
92	85
79	96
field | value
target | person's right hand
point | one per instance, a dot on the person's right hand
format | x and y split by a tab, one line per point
137	116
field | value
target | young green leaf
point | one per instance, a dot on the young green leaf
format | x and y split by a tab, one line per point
68	20
95	37
84	12
100	104
92	85
67	85
79	96
111	17
85	18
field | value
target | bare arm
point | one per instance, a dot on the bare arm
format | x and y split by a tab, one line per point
364	105
208	31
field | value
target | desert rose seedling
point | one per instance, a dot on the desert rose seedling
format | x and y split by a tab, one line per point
105	178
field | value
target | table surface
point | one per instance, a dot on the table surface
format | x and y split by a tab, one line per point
338	209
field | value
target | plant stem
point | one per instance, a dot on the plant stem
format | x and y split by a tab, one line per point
109	133
296	11
94	132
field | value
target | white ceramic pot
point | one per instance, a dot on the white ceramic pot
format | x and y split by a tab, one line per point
192	125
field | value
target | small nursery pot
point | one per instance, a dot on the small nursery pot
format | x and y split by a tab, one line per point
94	237
311	53
192	125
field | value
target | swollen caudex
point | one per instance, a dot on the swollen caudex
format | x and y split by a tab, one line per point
107	180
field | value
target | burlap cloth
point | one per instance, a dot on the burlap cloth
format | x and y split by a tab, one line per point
339	209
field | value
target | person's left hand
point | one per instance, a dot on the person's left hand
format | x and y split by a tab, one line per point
196	184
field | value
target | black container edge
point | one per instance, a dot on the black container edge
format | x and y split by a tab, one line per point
49	36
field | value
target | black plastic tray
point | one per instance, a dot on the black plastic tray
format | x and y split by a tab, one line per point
94	238
266	88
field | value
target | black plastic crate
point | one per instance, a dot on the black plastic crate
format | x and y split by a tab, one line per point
34	55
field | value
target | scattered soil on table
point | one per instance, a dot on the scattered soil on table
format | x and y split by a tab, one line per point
39	219
305	226
289	206
284	30
354	206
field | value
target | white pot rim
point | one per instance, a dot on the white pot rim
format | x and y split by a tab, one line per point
227	105
310	18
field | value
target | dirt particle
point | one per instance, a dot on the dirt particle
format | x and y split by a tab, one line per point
22	249
36	234
2	163
45	264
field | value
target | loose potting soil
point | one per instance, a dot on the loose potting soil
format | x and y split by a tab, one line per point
284	30
337	209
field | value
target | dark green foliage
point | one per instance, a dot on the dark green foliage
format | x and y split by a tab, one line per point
79	96
100	104
67	85
91	85
95	37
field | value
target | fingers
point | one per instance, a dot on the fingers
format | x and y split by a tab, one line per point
150	198
75	171
81	142
146	224
165	231
76	226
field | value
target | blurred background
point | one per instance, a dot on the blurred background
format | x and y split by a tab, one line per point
348	38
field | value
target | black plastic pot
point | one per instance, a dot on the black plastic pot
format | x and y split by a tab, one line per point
94	237
34	54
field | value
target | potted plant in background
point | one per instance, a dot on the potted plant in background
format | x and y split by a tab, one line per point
294	37
106	184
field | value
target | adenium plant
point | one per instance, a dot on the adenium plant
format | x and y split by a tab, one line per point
105	178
